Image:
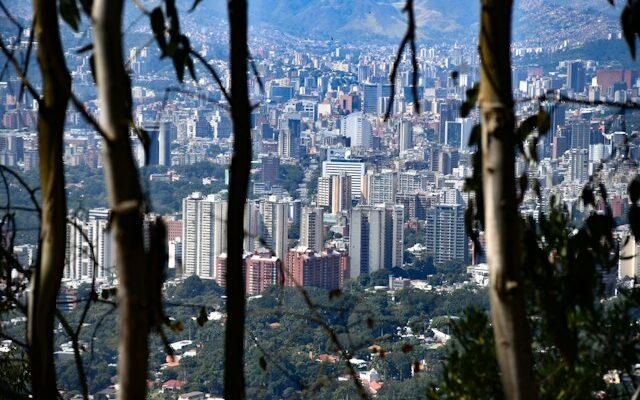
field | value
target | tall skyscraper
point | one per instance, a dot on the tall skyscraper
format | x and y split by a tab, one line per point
453	135
351	167
311	228
580	135
270	168
323	199
578	166
575	76
77	263
204	233
159	150
375	97
446	238
357	128
288	144
90	249
275	225
375	238
405	137
252	226
341	193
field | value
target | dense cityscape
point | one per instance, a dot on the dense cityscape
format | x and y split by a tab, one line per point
342	198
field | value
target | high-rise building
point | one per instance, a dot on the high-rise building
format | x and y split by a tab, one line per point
351	167
405	137
375	98
575	76
411	182
446	238
453	134
199	126
270	168
261	269
341	195
158	145
357	128
78	264
275	225
375	238
323	199
448	158
578	166
379	187
629	260
103	245
288	144
312	228
580	135
90	249
204	233
221	124
306	267
252	225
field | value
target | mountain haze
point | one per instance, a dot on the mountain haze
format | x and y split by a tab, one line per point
438	20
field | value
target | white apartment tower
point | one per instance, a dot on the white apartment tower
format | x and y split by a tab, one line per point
275	225
356	127
83	236
204	232
351	167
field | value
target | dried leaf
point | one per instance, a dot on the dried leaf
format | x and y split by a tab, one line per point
70	13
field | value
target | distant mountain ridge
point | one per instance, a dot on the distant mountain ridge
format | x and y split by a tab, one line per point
536	22
452	20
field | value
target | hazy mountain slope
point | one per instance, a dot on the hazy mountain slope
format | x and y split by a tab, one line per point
535	20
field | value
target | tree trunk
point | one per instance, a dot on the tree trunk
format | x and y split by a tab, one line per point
125	198
501	215
48	274
240	166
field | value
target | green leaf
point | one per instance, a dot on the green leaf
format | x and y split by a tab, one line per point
628	31
70	13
